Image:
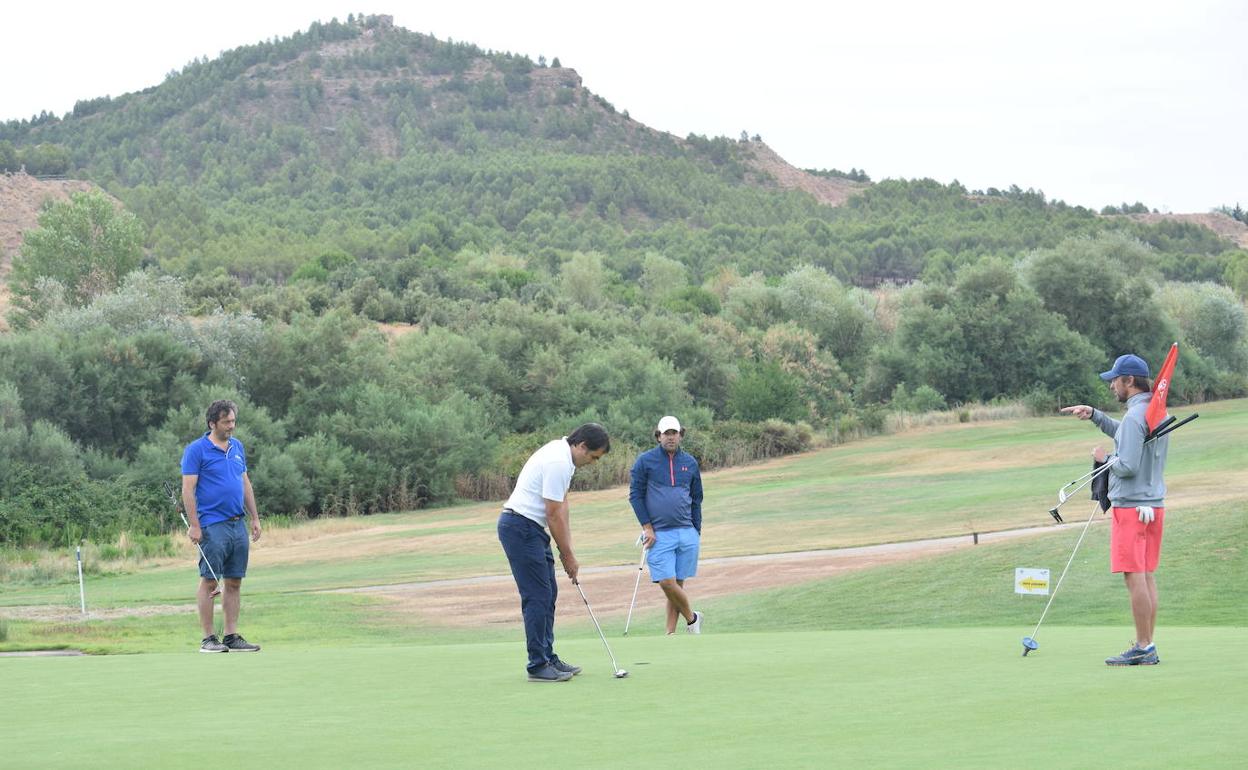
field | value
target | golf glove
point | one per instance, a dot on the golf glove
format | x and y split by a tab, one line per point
1146	514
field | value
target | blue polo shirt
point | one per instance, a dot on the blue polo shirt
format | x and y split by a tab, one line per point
219	490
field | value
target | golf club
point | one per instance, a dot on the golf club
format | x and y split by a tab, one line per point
1029	642
173	497
641	539
615	667
1063	495
1167	426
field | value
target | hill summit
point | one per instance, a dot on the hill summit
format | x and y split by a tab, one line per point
363	139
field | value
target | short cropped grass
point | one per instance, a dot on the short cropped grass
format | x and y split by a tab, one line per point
888	698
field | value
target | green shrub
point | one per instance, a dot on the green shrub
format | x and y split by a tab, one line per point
51	511
925	398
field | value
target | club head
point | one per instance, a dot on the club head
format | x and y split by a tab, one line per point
1056	516
1029	644
621	674
216	592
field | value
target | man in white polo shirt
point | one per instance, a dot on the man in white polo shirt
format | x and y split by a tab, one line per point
539	502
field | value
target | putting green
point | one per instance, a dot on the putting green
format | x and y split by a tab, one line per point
882	698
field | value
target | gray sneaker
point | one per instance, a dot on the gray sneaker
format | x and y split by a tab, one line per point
1135	656
212	644
566	668
548	673
236	643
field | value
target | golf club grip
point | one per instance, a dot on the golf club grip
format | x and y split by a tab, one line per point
1166	423
1172	428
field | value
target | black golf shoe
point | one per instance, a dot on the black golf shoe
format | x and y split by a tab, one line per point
212	644
565	667
548	673
236	643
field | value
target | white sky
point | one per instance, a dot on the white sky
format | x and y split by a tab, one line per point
1094	102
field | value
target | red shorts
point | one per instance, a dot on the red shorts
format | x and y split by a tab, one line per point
1133	546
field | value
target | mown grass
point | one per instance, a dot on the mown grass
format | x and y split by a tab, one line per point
882	698
1204	559
931	482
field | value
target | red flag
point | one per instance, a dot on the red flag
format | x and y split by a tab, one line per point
1161	389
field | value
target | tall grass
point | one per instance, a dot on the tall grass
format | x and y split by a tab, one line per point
900	422
45	566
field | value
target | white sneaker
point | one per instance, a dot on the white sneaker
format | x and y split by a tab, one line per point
696	626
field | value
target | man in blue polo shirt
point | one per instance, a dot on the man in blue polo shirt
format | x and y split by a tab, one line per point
216	493
665	491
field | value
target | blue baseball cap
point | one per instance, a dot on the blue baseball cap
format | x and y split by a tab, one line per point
1127	364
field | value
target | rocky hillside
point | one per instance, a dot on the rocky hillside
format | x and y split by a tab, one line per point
829	191
1232	230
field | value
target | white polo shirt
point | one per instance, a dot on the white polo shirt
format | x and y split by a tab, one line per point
546	475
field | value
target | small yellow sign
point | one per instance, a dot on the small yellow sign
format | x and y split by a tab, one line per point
1029	580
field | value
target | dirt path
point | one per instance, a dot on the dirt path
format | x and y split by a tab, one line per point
489	600
51	613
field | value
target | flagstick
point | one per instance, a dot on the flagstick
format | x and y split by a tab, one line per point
82	589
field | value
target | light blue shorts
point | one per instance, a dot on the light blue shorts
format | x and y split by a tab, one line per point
674	554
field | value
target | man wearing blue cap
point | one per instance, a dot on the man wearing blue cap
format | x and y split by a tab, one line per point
1137	492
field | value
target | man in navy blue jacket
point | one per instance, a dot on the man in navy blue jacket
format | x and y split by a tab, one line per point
666	495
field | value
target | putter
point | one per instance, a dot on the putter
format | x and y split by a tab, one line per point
641	539
173	496
615	667
1029	642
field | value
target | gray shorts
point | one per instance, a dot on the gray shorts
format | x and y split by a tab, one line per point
226	545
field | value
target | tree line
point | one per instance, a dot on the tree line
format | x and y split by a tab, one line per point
111	364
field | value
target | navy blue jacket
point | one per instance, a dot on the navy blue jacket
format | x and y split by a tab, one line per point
666	490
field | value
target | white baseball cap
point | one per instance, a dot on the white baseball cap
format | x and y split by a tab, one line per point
668	423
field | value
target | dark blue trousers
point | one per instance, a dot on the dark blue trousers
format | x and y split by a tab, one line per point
533	566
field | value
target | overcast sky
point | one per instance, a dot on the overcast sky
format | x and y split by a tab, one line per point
1094	102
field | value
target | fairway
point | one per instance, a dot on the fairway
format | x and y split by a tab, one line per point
910	662
890	698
